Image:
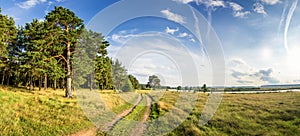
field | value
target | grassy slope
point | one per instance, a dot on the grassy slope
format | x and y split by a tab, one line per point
39	113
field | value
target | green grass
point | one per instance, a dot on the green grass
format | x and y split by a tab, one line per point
39	113
124	105
49	113
126	125
138	112
248	114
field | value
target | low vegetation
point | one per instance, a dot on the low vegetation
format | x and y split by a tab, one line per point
39	113
35	112
116	103
248	114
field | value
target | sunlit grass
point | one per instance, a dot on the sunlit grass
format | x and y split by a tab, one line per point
39	113
143	91
138	113
26	112
248	114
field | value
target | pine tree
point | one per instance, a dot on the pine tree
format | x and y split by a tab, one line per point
135	83
120	78
88	46
103	67
8	34
69	28
83	59
35	52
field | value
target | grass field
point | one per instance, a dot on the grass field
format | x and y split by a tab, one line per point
39	113
49	113
248	114
117	103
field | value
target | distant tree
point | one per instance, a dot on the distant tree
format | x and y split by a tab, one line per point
168	88
91	63
204	88
179	88
127	86
186	88
104	69
145	87
81	66
135	83
153	82
120	78
56	71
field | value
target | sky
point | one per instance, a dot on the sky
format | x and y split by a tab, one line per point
190	42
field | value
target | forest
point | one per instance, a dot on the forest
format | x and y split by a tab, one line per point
58	52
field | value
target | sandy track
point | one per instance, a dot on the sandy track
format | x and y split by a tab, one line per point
139	130
111	124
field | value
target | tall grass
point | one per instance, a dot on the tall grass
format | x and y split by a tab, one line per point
248	114
39	113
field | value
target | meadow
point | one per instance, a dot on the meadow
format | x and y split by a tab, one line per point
26	112
39	113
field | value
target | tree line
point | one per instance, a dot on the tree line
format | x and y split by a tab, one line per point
58	53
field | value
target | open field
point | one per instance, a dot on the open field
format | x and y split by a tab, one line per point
248	114
39	113
49	113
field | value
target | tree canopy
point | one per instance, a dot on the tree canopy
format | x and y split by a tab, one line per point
153	82
58	53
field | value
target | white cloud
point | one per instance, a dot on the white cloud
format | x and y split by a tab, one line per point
186	35
162	54
235	7
271	2
241	14
184	1
181	35
240	73
30	3
192	40
259	8
213	4
41	20
124	35
237	10
208	3
171	31
172	16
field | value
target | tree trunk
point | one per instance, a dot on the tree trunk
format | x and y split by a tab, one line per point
63	83
69	78
40	83
7	82
30	83
54	84
45	82
91	82
3	77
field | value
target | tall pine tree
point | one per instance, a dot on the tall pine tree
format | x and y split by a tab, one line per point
8	34
103	67
69	27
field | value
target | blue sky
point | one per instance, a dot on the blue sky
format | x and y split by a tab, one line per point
259	38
